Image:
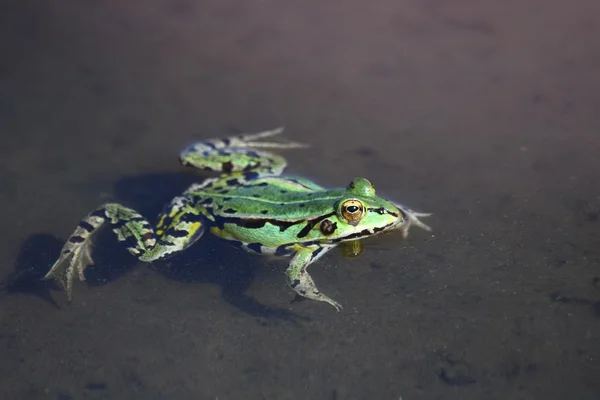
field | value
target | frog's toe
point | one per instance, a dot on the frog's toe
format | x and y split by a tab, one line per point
62	273
73	261
85	259
338	307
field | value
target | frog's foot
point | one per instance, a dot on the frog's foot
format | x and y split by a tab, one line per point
412	218
72	262
249	140
75	255
301	282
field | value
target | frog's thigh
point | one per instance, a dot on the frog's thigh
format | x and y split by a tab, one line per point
300	280
178	227
232	159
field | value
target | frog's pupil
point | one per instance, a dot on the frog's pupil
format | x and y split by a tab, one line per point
352	209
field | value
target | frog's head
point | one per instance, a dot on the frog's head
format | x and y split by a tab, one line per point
362	213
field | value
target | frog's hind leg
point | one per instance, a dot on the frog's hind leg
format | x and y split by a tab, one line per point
239	154
179	226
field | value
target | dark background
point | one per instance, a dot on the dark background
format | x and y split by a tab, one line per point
484	113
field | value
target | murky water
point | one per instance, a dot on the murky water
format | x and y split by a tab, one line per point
484	114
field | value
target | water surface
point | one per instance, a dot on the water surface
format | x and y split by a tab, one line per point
484	114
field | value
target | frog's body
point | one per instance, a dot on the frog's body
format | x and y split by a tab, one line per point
251	206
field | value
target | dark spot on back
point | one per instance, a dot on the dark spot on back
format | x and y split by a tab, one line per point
253	223
227	166
250	175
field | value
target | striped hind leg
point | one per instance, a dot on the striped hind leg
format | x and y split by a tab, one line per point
239	154
179	226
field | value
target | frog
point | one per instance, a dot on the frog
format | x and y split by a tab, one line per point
251	205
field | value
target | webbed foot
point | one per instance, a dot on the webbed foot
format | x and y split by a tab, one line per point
249	140
338	307
73	261
412	218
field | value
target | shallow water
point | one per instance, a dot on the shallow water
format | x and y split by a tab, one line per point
484	114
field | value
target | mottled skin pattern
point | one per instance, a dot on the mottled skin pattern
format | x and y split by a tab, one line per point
251	206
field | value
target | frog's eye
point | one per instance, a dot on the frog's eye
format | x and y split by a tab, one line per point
352	211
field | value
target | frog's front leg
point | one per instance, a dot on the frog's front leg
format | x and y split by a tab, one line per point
179	226
299	279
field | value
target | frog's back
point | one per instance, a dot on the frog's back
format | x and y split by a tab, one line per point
284	198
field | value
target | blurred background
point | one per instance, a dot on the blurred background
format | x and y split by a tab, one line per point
484	113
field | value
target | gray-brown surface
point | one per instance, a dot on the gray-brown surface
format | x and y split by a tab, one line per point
484	113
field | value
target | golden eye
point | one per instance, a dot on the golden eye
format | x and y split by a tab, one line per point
352	211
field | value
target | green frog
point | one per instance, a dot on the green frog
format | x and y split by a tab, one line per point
250	205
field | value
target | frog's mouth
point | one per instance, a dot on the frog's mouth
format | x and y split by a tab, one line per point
402	224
